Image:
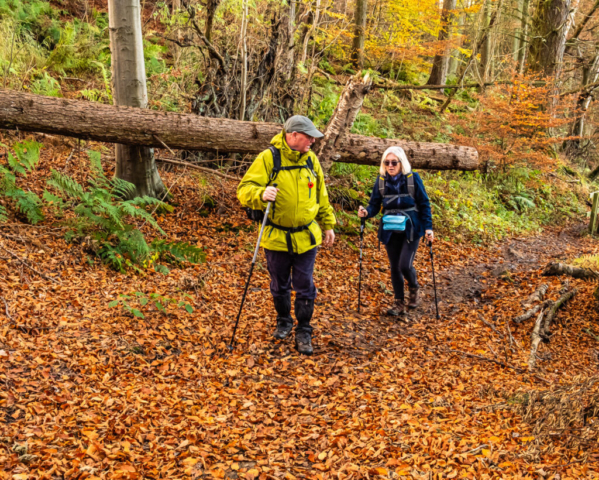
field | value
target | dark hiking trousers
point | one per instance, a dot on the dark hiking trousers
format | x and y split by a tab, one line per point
289	271
401	253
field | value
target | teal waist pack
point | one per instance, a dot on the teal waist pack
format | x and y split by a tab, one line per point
394	222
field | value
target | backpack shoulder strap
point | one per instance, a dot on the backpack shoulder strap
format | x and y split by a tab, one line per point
411	187
382	185
276	163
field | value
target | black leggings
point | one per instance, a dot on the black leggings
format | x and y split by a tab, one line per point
401	253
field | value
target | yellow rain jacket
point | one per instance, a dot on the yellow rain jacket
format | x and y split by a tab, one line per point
296	205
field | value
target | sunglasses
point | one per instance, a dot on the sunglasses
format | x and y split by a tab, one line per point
389	163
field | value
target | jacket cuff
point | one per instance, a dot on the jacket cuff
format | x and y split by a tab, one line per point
328	227
260	201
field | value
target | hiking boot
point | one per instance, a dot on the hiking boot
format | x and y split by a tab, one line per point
284	320
413	301
303	342
398	309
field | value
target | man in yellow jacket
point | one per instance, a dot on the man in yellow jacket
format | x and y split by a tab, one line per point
292	236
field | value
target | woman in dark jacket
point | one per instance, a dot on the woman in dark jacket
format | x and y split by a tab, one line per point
404	194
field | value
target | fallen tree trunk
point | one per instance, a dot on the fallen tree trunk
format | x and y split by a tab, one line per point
564	269
135	126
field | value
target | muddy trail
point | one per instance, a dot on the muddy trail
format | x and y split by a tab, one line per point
90	391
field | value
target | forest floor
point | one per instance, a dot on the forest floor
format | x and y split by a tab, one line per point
89	391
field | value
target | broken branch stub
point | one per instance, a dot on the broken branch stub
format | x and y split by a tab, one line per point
344	116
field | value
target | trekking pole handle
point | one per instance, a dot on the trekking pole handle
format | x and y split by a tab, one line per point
264	220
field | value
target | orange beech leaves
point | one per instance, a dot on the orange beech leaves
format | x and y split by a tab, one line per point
91	392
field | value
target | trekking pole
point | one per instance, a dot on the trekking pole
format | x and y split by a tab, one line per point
247	283
362	224
430	244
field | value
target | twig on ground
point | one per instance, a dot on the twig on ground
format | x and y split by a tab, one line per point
489	324
553	310
486	359
24	263
7	312
66	164
474	451
537	296
536	339
532	312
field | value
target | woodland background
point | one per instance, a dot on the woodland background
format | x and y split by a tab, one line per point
116	308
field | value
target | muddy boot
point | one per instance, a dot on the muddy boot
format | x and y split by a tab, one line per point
398	309
304	309
303	342
413	302
284	320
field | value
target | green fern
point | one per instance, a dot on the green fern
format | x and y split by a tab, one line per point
105	219
25	158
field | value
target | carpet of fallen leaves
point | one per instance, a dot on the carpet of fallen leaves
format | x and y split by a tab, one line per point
88	391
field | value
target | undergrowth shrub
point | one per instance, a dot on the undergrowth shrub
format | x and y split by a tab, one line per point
111	226
478	207
24	158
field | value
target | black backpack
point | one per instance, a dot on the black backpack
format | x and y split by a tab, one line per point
258	215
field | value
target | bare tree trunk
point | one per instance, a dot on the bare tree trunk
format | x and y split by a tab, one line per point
440	67
518	30
486	51
357	55
311	31
211	6
136	126
291	37
455	55
524	43
348	107
133	163
590	75
175	8
244	59
552	23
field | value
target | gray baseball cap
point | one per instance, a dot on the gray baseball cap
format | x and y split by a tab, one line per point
299	123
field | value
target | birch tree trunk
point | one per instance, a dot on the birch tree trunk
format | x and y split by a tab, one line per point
440	67
244	59
357	55
524	43
455	55
348	107
134	164
517	40
485	50
291	40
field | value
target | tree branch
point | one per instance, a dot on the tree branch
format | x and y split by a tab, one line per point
213	52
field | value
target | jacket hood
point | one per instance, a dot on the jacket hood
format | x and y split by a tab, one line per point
287	152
